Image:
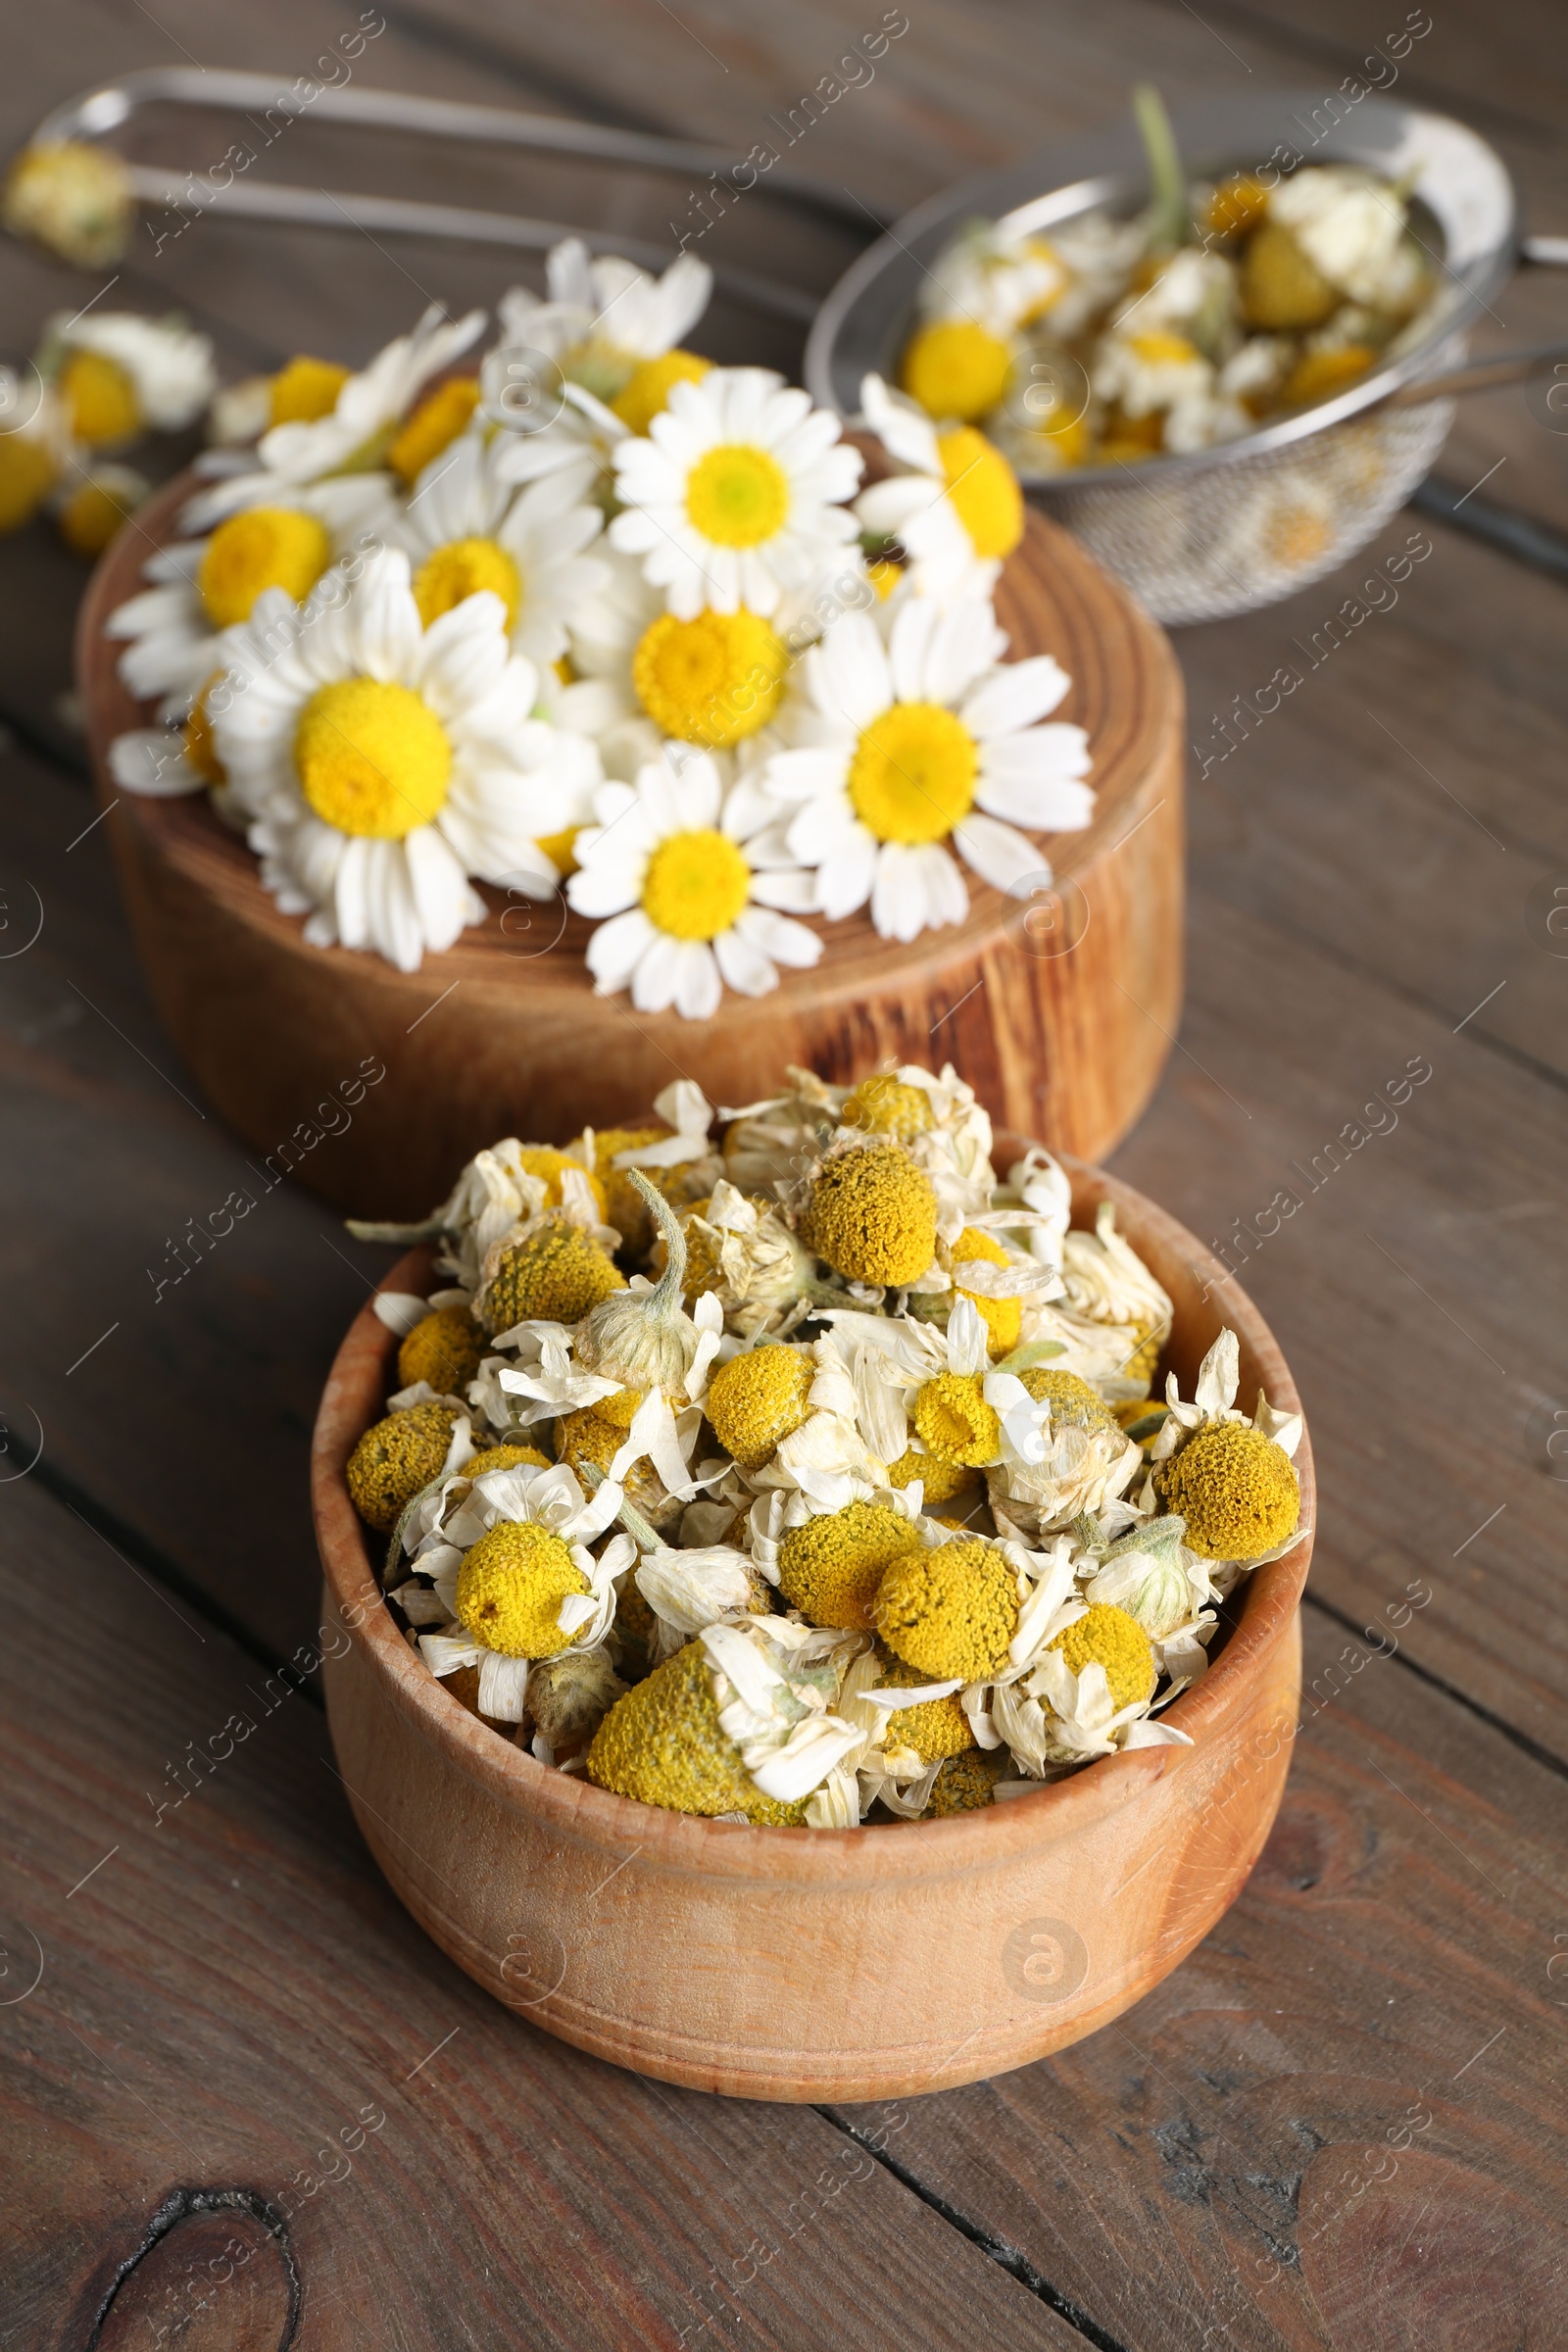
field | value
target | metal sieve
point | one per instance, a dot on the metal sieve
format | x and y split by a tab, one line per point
1228	529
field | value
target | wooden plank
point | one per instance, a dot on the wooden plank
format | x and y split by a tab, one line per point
1411	1290
1337	2124
230	2001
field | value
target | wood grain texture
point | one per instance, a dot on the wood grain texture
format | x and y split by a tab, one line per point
233	2007
1066	1905
1337	2125
1058	1010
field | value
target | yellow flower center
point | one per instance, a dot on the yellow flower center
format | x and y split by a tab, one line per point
550	1166
1236	1489
562	850
201	752
883	1104
75	199
1001	1317
100	399
712	680
756	1401
439	418
914	774
373	758
830	1568
872	1214
460	569
1158	348
950	1612
306	390
91	515
737	495
985	490
445	1349
954	1421
395	1459
646	391
26	476
696	884
511	1587
267	547
884	577
956	369
1108	1638
560	1274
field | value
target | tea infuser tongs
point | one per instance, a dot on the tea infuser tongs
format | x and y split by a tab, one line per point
96	115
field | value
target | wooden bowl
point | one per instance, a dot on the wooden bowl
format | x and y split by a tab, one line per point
814	1964
1059	1010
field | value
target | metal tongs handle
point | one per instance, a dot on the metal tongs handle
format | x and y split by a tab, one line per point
98	113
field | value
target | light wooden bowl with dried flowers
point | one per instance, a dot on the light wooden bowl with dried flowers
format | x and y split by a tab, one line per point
1059	1008
816	1963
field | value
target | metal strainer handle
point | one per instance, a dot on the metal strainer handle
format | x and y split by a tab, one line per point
1481	375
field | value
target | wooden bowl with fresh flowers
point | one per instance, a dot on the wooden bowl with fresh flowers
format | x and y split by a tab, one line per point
580	1706
502	774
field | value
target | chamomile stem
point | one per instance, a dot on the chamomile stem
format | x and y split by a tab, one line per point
1172	222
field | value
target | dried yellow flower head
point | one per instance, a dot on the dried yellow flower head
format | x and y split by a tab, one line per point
550	1166
505	1457
941	1479
1105	1636
511	1587
586	1436
886	1105
72	198
1236	1489
569	1697
625	1206
965	1783
872	1214
1001	1317
559	1275
395	1459
445	1349
663	1744
950	1612
1072	1401
954	1422
935	1731
756	1401
830	1569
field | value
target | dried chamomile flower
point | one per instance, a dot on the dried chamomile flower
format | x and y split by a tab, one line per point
505	1457
666	1742
1236	1489
585	1441
1107	1282
559	1275
756	1400
740	1248
830	1566
887	1106
964	1783
445	1349
951	1611
511	1587
1003	1316
74	199
934	1729
569	1698
397	1456
643	1338
872	1214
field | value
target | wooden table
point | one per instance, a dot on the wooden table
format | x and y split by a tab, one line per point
236	2078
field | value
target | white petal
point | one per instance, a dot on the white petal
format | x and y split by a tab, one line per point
1016	695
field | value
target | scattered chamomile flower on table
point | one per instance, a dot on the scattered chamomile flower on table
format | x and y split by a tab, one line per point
613	328
906	747
72	198
119	375
383	763
734	495
694	889
793	1546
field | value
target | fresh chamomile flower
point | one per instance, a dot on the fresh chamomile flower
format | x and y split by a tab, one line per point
507	1558
693	884
350	443
92	511
384	763
467	525
734	496
182	756
912	748
35	453
172	630
738	1721
955	508
72	198
118	374
611	327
